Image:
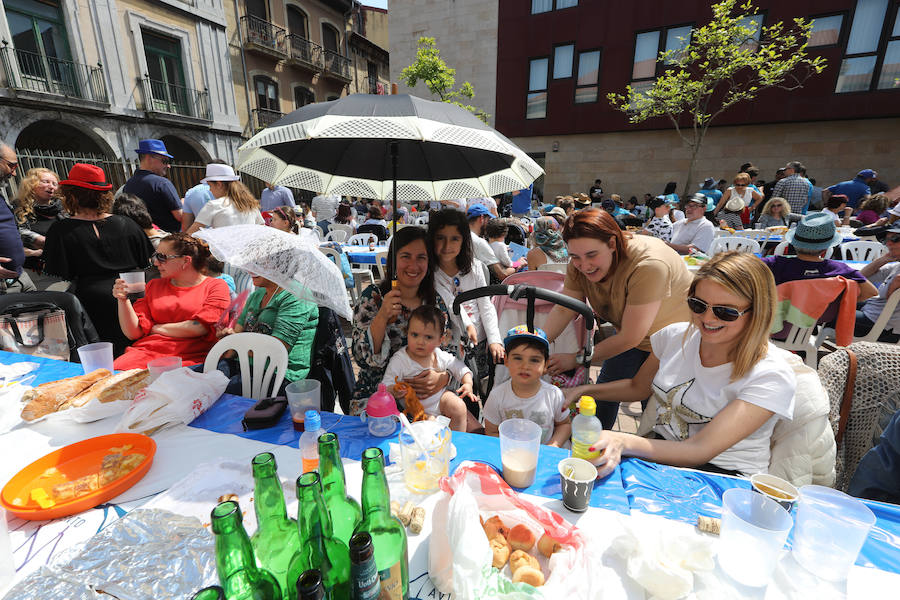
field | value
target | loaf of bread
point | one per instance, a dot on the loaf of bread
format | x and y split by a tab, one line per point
49	397
121	386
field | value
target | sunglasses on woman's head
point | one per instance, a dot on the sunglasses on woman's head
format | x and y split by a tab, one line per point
161	258
723	313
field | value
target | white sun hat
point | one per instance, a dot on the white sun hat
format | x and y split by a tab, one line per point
218	172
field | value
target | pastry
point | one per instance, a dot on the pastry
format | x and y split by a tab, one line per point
519	559
521	538
547	545
500	548
63	491
493	526
129	463
529	575
87	484
49	397
121	386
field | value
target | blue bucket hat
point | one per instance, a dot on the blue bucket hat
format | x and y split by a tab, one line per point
814	232
152	147
521	332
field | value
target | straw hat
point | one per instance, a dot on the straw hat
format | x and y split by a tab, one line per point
815	231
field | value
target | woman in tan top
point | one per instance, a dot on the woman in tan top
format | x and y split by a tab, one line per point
637	283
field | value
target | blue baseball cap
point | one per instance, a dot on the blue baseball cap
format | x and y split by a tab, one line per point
152	147
477	210
866	174
521	332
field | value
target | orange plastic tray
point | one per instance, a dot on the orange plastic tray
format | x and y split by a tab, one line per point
72	462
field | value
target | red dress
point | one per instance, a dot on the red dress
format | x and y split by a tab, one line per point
166	303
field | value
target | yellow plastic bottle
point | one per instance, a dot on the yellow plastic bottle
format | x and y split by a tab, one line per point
586	428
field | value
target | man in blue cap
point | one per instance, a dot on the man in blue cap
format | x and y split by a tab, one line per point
149	183
478	215
856	189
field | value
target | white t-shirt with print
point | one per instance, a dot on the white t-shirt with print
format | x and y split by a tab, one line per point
221	213
689	395
402	366
546	408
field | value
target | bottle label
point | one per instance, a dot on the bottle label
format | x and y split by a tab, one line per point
310	464
391	582
365	581
580	450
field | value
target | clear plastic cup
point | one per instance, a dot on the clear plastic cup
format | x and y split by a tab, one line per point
754	529
134	281
7	571
303	395
831	530
421	473
96	356
160	365
520	443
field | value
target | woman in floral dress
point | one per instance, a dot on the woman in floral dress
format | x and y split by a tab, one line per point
382	315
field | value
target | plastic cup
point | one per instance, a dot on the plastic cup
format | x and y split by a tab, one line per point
520	443
754	529
831	530
775	488
158	366
421	473
7	571
303	395
96	356
577	477
134	281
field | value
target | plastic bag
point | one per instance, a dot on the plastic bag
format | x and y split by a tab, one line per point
177	396
460	558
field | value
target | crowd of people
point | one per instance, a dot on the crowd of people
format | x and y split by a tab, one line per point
693	348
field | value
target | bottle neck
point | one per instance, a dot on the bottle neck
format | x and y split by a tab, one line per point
269	500
331	470
233	549
312	519
375	494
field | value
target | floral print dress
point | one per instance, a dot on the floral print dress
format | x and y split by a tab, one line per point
372	365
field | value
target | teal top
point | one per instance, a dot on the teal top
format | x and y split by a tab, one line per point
289	319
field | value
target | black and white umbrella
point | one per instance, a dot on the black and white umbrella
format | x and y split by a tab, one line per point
364	144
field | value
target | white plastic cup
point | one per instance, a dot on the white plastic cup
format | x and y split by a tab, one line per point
831	530
160	365
303	395
422	473
96	356
134	281
7	570
754	529
520	443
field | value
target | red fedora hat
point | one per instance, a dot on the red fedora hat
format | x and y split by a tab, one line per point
87	176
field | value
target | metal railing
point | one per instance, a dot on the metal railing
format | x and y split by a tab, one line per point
373	84
165	97
304	51
264	34
263	117
46	74
336	64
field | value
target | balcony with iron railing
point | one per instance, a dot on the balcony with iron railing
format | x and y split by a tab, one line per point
263	117
163	98
33	72
337	66
264	37
304	53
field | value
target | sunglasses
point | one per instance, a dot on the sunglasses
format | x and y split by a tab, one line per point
10	164
723	313
892	238
740	185
162	258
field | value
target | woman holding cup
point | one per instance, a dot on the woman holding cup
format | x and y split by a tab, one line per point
177	315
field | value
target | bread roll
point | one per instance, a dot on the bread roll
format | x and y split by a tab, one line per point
494	526
547	545
521	538
529	575
47	398
519	559
500	548
121	386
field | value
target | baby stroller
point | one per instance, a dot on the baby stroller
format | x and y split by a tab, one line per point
535	293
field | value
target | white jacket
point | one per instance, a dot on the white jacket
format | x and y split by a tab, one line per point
803	449
484	315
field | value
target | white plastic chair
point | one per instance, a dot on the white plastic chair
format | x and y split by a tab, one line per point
362	239
863	251
362	276
741	244
800	340
880	323
348	229
270	360
319	233
336	235
381	263
760	235
781	249
557	267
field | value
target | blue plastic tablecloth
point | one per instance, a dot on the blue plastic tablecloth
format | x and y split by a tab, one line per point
361	255
673	493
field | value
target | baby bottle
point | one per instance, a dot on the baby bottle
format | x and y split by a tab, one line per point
381	413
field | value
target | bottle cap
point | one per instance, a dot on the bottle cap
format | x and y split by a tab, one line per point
312	420
586	406
381	403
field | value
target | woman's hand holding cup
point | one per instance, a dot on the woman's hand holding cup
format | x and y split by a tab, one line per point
120	290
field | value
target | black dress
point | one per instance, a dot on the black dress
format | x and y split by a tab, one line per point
91	254
45	215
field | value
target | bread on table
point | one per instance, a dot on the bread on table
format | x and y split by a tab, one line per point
519	559
529	575
521	538
547	545
494	526
121	386
500	548
49	397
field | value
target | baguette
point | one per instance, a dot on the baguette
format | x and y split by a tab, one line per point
121	386
48	397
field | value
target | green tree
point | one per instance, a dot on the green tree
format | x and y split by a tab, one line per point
727	61
440	79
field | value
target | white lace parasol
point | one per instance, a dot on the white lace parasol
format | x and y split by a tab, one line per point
292	261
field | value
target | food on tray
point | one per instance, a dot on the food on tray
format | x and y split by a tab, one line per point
40	496
500	548
519	559
521	538
113	466
547	545
78	391
529	575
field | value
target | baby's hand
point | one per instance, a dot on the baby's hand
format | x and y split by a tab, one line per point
465	391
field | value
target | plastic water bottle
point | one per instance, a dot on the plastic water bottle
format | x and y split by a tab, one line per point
586	428
309	441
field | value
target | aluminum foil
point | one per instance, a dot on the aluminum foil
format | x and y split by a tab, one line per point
146	555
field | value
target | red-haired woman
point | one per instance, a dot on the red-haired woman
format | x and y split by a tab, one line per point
637	283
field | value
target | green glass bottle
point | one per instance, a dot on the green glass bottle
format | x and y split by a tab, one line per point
276	541
388	534
344	510
319	549
309	586
235	563
212	592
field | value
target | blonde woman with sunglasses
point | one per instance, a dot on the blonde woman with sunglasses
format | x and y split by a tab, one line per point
775	213
717	385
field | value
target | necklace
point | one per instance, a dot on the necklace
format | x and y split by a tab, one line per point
267	297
